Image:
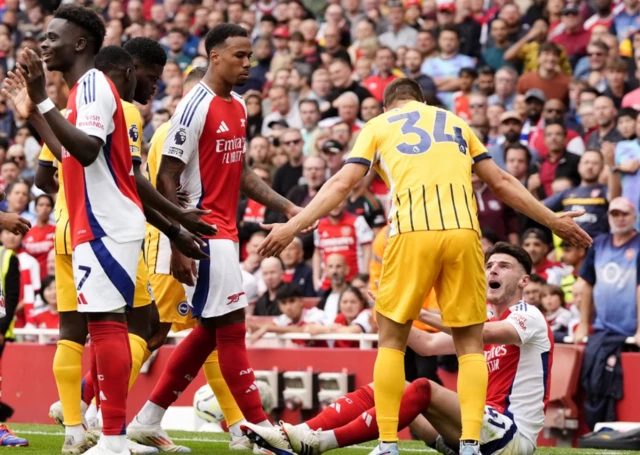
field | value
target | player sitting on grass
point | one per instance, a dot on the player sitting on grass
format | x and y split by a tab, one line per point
519	348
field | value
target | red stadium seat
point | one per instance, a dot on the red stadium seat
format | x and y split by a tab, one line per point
562	411
311	302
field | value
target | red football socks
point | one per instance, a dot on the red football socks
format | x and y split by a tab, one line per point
110	343
183	366
237	372
416	399
344	410
87	385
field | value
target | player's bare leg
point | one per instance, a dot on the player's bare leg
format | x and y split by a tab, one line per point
472	384
389	378
67	370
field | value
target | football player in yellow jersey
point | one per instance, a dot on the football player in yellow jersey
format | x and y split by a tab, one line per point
119	67
426	156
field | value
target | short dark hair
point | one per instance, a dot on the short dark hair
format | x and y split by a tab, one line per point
519	146
535	278
555	290
618	65
10	161
452	29
556	122
113	57
45	196
269	18
218	35
601	44
486	70
591	90
85	18
46	281
288	291
491	236
515	251
402	89
310	101
468	71
147	51
627	112
355	291
195	75
550	46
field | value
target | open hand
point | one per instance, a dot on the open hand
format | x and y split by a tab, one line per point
189	245
566	228
191	220
183	197
15	89
33	75
279	238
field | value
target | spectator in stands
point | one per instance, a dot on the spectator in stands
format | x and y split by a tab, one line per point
17	200
626	123
47	317
348	110
625	22
385	62
493	214
343	233
617	86
399	34
510	131
537	244
282	110
354	316
289	175
547	78
272	272
251	213
254	115
611	286
333	152
505	88
572	256
296	271
259	150
362	202
462	98
294	317
592	67
557	316
574	38
626	166
336	269
340	76
605	113
371	108
361	282
445	68
39	240
590	196
558	163
412	63
9	174
518	162
309	116
534	101
493	55
555	111
532	291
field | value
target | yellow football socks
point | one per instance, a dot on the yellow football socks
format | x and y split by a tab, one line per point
67	370
472	391
388	380
138	350
230	410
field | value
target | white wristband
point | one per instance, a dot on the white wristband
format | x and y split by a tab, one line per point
46	106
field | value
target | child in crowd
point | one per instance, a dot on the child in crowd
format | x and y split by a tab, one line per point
558	317
47	317
353	317
294	318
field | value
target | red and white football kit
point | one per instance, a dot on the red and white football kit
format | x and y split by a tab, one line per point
519	382
309	316
29	287
345	237
208	134
38	242
105	213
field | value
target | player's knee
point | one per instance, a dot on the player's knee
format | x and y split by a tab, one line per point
73	327
139	323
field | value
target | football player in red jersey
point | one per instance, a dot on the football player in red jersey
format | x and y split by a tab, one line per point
204	151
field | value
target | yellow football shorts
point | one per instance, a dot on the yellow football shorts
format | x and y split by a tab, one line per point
171	301
450	261
66	287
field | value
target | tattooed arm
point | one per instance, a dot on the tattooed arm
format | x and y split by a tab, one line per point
254	188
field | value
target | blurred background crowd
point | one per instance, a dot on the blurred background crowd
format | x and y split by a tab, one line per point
550	86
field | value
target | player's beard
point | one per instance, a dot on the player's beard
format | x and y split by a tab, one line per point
509	292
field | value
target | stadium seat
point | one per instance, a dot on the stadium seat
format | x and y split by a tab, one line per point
562	411
311	302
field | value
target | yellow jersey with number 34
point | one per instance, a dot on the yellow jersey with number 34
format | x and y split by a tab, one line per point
425	156
62	238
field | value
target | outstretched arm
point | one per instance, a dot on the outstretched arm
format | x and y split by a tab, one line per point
254	188
329	196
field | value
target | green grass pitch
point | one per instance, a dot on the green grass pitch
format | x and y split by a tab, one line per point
47	439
